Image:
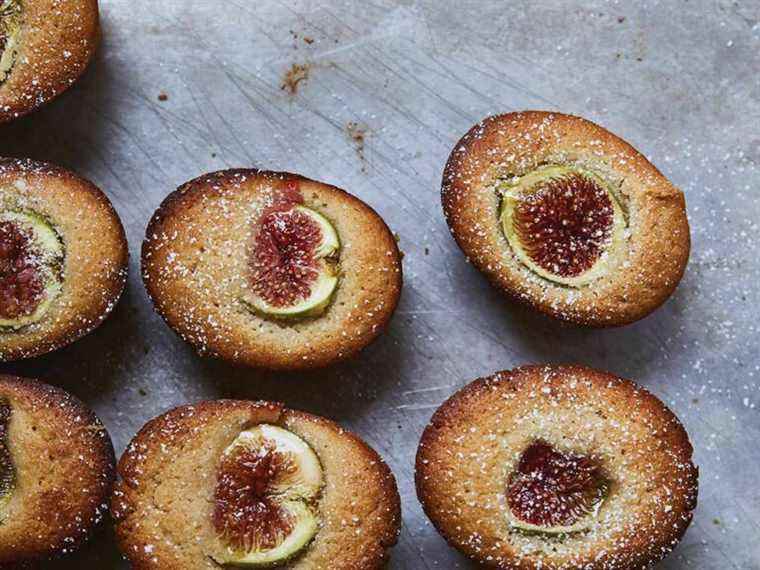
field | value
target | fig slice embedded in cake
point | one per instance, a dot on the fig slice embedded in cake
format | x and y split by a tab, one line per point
265	502
562	223
10	30
31	260
554	492
293	263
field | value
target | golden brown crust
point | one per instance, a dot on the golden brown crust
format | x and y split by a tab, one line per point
168	473
65	468
475	438
515	143
97	254
194	267
57	42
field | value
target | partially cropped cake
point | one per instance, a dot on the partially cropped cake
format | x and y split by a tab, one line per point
57	469
564	216
45	46
271	269
63	258
557	467
233	483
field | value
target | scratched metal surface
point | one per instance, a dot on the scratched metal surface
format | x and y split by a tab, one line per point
391	86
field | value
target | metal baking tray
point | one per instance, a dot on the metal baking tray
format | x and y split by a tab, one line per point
380	92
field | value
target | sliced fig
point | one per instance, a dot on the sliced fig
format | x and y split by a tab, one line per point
268	484
293	264
10	30
554	492
562	223
31	259
7	470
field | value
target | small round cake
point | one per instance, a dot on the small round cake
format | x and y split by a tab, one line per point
557	467
45	46
271	269
63	258
564	216
56	472
253	485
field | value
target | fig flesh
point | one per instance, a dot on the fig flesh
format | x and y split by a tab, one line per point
562	223
553	492
265	501
31	261
293	265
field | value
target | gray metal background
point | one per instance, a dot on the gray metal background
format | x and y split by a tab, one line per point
680	80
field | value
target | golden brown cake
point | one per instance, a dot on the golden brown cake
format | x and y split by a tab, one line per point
45	46
63	258
253	484
271	269
557	467
56	472
564	216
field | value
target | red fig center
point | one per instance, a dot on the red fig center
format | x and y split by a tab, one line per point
22	285
565	223
245	512
283	263
550	488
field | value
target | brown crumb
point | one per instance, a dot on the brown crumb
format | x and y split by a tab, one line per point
308	40
295	75
163	96
621	19
358	133
427	251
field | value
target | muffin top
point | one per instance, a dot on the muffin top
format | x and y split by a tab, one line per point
566	217
271	269
45	46
200	488
56	471
63	258
557	467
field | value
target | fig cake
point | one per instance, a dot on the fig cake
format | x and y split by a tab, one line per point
557	467
565	217
271	269
63	258
57	469
45	46
232	483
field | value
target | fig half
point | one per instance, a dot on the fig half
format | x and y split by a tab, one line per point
31	262
563	223
10	30
293	265
265	502
556	493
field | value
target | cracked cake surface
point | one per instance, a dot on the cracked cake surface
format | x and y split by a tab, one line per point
63	468
63	258
590	424
204	258
565	217
45	46
169	475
